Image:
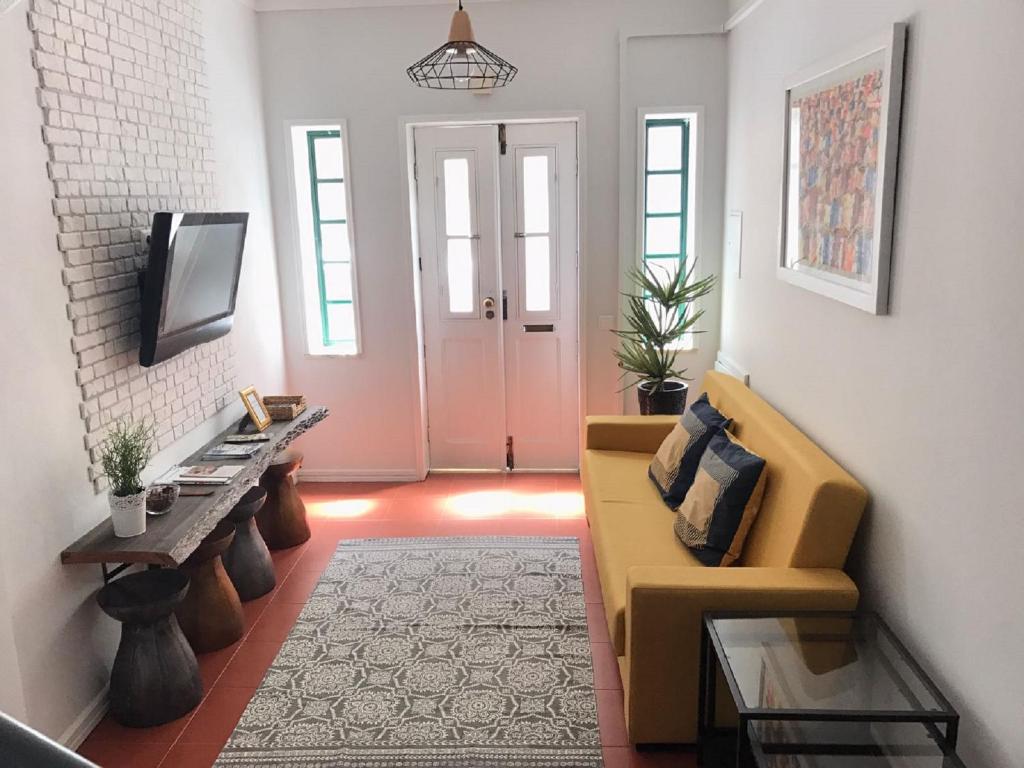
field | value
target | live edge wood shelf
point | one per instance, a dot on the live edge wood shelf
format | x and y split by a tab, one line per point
171	538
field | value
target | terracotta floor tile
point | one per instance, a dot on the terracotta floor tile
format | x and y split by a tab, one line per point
217	716
285	560
275	623
212	664
606	667
248	666
611	718
297	587
122	754
253	609
192	755
597	624
110	731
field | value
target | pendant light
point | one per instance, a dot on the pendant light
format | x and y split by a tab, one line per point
461	64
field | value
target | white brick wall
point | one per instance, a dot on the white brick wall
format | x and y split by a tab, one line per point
124	116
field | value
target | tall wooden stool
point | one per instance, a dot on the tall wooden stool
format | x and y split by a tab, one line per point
155	678
211	613
247	561
282	521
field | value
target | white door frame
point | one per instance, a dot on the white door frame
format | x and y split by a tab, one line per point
410	224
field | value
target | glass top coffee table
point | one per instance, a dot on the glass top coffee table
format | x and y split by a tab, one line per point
821	689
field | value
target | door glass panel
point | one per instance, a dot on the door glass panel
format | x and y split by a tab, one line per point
536	205
665	193
662	235
331	198
461	276
456	197
538	274
334	242
327	154
665	148
341	322
338	282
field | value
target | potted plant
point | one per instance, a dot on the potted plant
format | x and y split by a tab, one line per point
659	314
125	454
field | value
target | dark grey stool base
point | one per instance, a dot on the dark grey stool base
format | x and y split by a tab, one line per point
155	678
247	560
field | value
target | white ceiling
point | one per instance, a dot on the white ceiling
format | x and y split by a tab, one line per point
308	5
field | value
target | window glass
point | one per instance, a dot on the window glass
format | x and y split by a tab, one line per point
664	148
460	275
538	273
536	205
456	197
665	193
328	158
331	196
663	236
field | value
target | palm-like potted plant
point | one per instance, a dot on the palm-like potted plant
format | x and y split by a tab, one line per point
126	452
659	313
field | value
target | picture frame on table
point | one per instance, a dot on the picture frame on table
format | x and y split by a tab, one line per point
255	408
840	156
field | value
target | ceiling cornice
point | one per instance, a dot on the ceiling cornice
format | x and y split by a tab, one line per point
737	18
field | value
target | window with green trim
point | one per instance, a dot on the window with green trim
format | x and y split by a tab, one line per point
323	195
666	192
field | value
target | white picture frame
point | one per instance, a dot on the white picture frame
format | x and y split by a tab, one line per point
847	261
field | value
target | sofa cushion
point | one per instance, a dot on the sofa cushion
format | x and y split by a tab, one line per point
723	501
629	526
675	464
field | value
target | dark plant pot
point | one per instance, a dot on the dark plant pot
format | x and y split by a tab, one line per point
668	399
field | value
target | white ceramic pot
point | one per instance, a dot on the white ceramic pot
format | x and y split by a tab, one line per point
128	513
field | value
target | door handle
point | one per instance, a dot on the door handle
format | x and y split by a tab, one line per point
489	307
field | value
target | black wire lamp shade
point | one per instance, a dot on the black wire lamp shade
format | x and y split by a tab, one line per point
461	64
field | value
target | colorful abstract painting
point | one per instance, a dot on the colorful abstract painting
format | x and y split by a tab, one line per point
838	150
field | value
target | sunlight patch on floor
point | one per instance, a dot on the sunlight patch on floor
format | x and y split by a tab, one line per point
341	509
487	504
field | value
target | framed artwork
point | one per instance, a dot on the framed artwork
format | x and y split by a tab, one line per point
839	172
257	410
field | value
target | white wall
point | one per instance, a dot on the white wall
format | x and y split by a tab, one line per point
236	115
351	64
55	645
921	405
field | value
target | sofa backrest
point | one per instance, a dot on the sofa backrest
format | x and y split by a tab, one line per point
811	505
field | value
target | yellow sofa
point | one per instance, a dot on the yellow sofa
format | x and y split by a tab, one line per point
655	591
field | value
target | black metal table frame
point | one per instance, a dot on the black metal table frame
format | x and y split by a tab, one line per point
712	653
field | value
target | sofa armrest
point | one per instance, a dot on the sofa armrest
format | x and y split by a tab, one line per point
641	434
664	610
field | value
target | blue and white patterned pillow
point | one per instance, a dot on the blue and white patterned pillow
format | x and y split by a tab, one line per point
675	464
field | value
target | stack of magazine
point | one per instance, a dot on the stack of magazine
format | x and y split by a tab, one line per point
232	451
202	474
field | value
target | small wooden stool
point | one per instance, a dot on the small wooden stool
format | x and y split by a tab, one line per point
211	613
282	521
155	678
247	561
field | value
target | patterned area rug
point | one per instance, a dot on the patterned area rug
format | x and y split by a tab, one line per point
432	653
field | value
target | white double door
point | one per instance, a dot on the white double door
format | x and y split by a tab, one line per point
498	233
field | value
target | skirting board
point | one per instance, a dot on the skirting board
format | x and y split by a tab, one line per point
725	364
358	475
84	724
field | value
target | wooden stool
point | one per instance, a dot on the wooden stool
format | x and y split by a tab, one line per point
155	678
211	613
282	521
247	561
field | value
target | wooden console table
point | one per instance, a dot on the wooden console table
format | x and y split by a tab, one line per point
170	538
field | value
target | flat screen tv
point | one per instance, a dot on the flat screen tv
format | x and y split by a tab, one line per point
191	282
